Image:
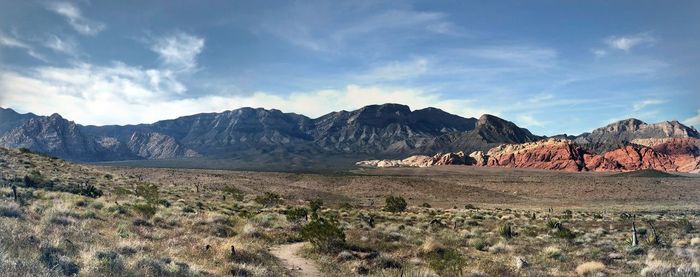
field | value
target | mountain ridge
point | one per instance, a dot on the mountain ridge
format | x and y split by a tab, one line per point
374	131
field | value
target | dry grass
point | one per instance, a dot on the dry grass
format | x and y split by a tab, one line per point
198	217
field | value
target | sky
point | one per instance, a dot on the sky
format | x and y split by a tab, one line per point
550	66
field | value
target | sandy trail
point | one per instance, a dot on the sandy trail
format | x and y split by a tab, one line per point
299	265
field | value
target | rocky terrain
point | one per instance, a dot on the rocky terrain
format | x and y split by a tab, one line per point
377	130
377	134
671	154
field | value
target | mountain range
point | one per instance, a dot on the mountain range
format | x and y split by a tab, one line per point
371	132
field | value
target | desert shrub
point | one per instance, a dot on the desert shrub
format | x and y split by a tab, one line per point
684	225
315	205
590	268
89	191
109	262
108	176
154	267
236	193
25	150
479	244
148	192
11	210
53	257
395	204
506	230
36	180
144	209
470	207
425	205
324	235
446	261
296	214
268	199
222	231
188	210
118	209
563	233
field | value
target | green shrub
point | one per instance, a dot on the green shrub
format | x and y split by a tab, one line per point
479	244
395	204
685	226
506	230
145	209
236	193
268	199
446	261
296	214
562	232
324	235
149	192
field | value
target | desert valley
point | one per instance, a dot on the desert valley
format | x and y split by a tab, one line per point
314	138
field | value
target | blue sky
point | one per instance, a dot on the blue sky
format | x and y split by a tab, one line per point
550	66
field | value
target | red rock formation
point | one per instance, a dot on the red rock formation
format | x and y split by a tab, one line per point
552	154
636	157
681	154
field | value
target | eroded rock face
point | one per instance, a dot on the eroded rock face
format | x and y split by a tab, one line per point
674	154
552	154
636	157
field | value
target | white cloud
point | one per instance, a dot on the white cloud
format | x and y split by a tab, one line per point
121	94
599	53
645	103
179	51
75	18
8	41
694	120
527	120
626	43
61	45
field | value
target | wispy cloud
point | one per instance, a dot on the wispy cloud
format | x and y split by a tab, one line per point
396	70
520	55
626	43
12	42
76	19
179	50
528	120
58	44
305	29
645	103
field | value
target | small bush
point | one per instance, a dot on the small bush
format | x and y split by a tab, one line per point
685	226
236	193
506	230
395	204
446	261
425	205
53	257
268	199
590	268
11	210
296	214
479	244
109	262
324	234
146	210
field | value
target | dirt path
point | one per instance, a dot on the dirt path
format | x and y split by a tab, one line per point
299	265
